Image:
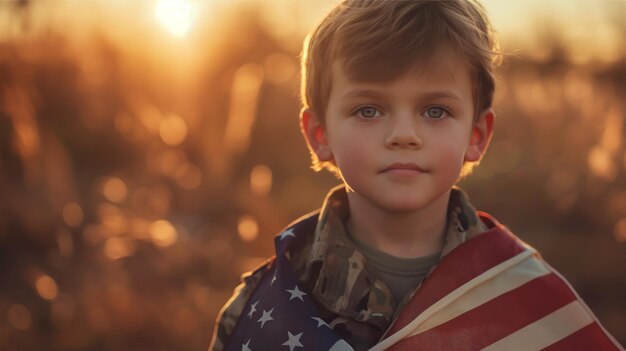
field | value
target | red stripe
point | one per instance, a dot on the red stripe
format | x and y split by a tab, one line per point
591	337
461	265
495	319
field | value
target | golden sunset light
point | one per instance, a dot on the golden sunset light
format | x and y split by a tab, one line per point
175	15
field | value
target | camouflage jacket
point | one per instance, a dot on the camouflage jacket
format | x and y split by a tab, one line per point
350	298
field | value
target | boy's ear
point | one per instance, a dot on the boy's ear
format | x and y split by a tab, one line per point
315	135
481	136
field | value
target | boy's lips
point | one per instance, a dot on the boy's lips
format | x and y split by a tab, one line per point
403	168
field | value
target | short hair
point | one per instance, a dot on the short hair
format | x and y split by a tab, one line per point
379	40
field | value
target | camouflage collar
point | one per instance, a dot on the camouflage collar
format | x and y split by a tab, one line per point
335	271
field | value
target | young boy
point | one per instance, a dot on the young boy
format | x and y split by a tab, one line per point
397	103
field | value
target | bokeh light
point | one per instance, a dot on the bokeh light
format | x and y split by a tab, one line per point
261	180
173	130
114	190
73	214
163	233
46	287
116	248
248	228
19	316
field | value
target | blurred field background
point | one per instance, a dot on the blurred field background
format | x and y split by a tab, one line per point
150	150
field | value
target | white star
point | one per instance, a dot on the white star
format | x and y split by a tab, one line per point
296	293
320	322
273	279
267	316
252	309
246	347
293	341
286	233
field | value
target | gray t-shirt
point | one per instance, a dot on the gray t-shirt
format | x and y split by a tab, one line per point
400	274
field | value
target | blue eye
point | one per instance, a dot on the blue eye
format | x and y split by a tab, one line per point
436	113
367	112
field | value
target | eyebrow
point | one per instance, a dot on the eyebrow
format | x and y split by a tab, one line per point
377	94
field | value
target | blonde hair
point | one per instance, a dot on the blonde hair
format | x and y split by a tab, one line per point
379	40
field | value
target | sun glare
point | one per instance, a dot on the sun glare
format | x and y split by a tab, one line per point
175	16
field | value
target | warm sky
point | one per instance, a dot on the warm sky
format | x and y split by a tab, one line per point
591	27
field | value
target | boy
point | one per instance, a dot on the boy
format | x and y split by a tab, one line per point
397	103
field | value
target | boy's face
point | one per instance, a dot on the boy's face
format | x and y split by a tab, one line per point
400	145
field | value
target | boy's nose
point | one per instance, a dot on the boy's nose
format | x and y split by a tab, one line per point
404	134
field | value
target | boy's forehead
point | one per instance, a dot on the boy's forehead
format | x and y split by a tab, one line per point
438	69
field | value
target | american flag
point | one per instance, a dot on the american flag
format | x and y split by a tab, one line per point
280	315
494	292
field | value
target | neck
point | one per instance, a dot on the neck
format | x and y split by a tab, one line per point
406	234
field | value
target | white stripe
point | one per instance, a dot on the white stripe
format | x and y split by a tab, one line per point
513	278
546	331
595	319
451	297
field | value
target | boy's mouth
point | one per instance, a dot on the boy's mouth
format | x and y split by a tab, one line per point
403	168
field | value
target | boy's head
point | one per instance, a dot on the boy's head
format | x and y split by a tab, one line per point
379	41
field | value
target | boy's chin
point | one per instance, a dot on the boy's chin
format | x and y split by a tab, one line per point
401	205
400	200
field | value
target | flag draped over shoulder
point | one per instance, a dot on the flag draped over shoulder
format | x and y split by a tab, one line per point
280	315
495	293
